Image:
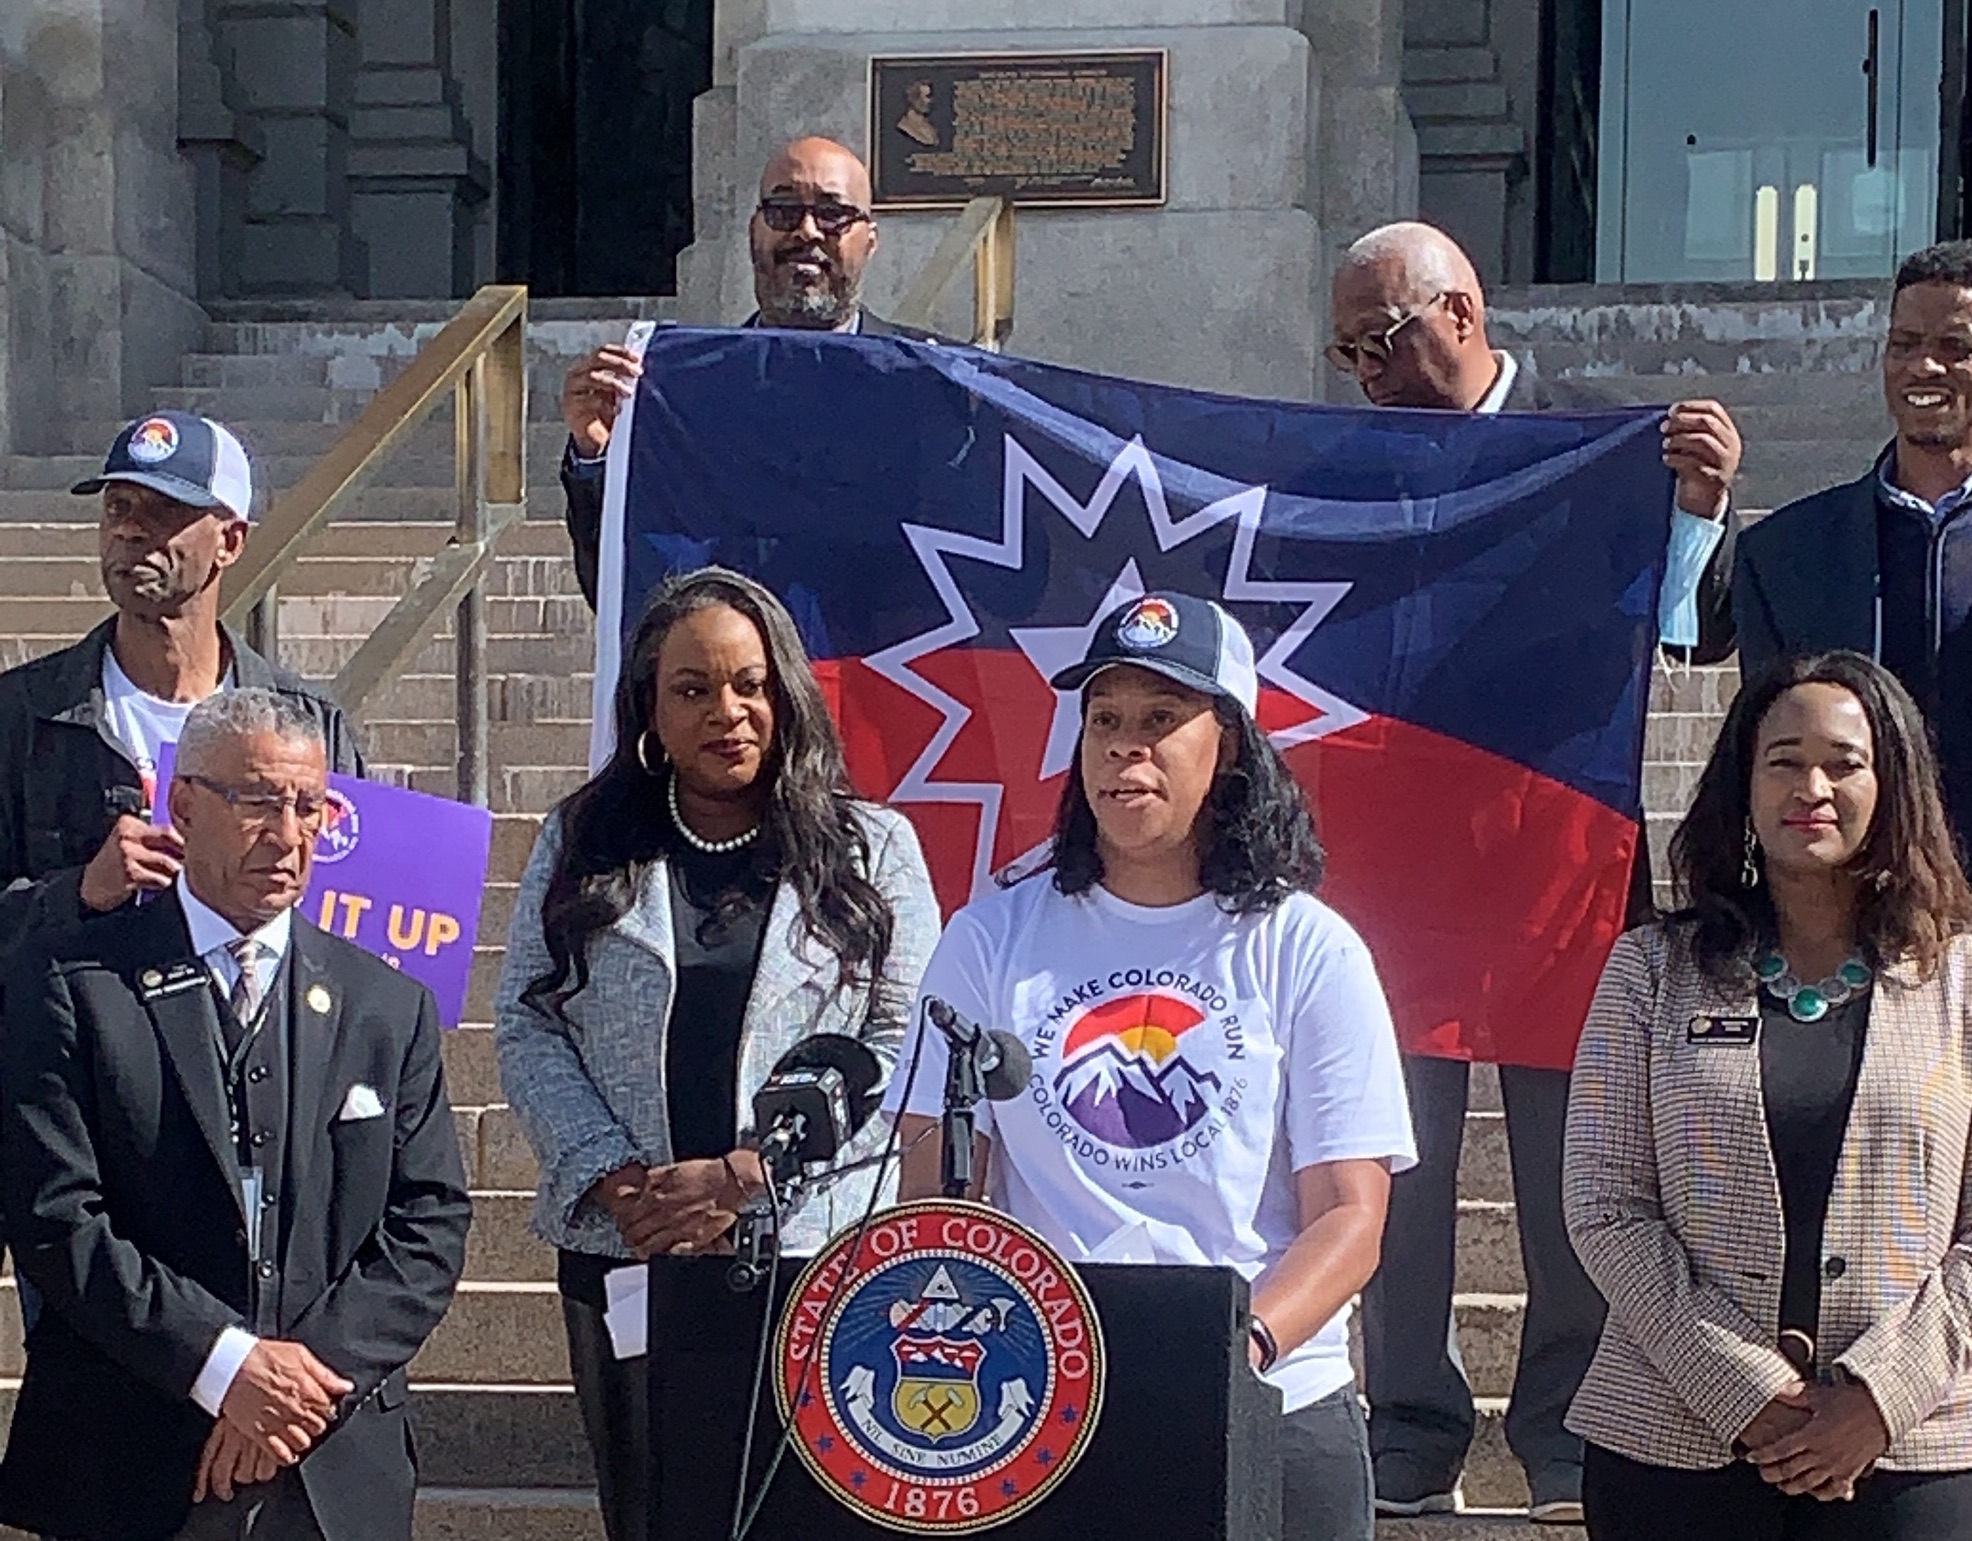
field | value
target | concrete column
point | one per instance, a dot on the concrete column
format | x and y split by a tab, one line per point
1471	80
97	238
1362	151
1219	289
416	185
225	144
296	62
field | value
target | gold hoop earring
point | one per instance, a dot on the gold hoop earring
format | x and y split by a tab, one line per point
643	754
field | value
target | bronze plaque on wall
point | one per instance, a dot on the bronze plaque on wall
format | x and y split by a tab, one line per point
1037	128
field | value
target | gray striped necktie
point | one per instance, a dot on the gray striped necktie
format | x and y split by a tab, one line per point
247	995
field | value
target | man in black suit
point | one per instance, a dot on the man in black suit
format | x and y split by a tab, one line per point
230	1171
812	236
1883	564
1409	319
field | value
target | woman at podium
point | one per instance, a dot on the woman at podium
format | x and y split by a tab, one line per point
1216	1078
711	898
1769	1154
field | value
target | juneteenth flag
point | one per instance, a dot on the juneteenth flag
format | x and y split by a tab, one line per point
1454	617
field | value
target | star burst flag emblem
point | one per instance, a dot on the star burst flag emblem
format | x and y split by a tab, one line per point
1452	616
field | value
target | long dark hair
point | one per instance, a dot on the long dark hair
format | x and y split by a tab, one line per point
618	823
1257	841
1913	897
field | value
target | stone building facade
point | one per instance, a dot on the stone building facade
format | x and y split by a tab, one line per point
159	158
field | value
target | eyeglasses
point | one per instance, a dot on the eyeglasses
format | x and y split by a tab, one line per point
259	810
1376	346
784	215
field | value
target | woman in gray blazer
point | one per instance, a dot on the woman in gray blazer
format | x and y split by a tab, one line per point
1769	1154
714	895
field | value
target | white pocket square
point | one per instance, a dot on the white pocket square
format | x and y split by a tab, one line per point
362	1102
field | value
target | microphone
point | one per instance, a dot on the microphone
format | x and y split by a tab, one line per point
812	1103
815	1099
1003	1064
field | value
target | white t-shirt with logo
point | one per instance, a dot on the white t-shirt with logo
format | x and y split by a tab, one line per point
145	723
1187	1063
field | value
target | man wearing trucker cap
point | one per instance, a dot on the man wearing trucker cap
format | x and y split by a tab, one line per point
81	729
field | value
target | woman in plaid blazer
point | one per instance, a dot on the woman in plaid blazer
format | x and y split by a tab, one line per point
1769	1168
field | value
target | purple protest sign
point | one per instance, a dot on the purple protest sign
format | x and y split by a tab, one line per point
399	873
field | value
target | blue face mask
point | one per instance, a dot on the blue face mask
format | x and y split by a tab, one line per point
1693	540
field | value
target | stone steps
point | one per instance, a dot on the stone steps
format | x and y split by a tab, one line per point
333	617
1799	369
423	458
512	1514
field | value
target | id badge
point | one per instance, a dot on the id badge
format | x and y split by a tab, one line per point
250	1191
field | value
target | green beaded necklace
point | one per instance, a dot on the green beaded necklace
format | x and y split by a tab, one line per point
1812	1002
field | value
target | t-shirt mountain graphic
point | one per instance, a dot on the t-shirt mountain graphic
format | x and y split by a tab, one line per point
1122	1100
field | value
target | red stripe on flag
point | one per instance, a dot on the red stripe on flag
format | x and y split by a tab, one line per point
1489	895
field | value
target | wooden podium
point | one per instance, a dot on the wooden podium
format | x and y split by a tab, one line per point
1185	1448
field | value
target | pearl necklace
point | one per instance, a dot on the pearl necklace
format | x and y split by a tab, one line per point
1810	1003
697	841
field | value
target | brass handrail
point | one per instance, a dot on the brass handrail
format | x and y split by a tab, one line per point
983	232
479	356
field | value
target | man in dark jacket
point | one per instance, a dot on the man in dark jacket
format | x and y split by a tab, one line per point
80	729
1883	564
1410	327
812	236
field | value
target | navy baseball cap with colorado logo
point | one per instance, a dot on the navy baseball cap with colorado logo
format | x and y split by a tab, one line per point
1179	636
183	456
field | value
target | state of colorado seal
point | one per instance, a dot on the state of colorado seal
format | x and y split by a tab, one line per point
945	1374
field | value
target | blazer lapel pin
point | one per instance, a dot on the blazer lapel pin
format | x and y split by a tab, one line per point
362	1102
319	1000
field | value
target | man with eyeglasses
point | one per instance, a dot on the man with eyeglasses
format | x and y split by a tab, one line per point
233	1175
812	236
1410	328
1883	564
81	729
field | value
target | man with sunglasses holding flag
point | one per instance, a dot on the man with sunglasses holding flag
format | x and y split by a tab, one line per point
1409	320
812	236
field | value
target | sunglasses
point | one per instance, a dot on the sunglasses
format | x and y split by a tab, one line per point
784	215
1377	347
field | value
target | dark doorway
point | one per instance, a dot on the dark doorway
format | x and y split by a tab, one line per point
596	141
1955	127
1564	152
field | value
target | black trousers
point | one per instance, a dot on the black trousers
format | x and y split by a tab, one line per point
1625	1500
1325	1489
1419	1399
614	1396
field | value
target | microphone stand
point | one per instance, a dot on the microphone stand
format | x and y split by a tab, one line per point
757	1228
965	1089
754	1233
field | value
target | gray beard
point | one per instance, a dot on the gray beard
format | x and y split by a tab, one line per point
812	309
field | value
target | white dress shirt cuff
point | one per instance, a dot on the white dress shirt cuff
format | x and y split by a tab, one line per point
221	1366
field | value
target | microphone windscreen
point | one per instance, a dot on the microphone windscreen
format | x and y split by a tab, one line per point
1009	1078
837	1051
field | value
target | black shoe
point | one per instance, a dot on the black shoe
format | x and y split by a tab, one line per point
1557	1491
1405	1490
